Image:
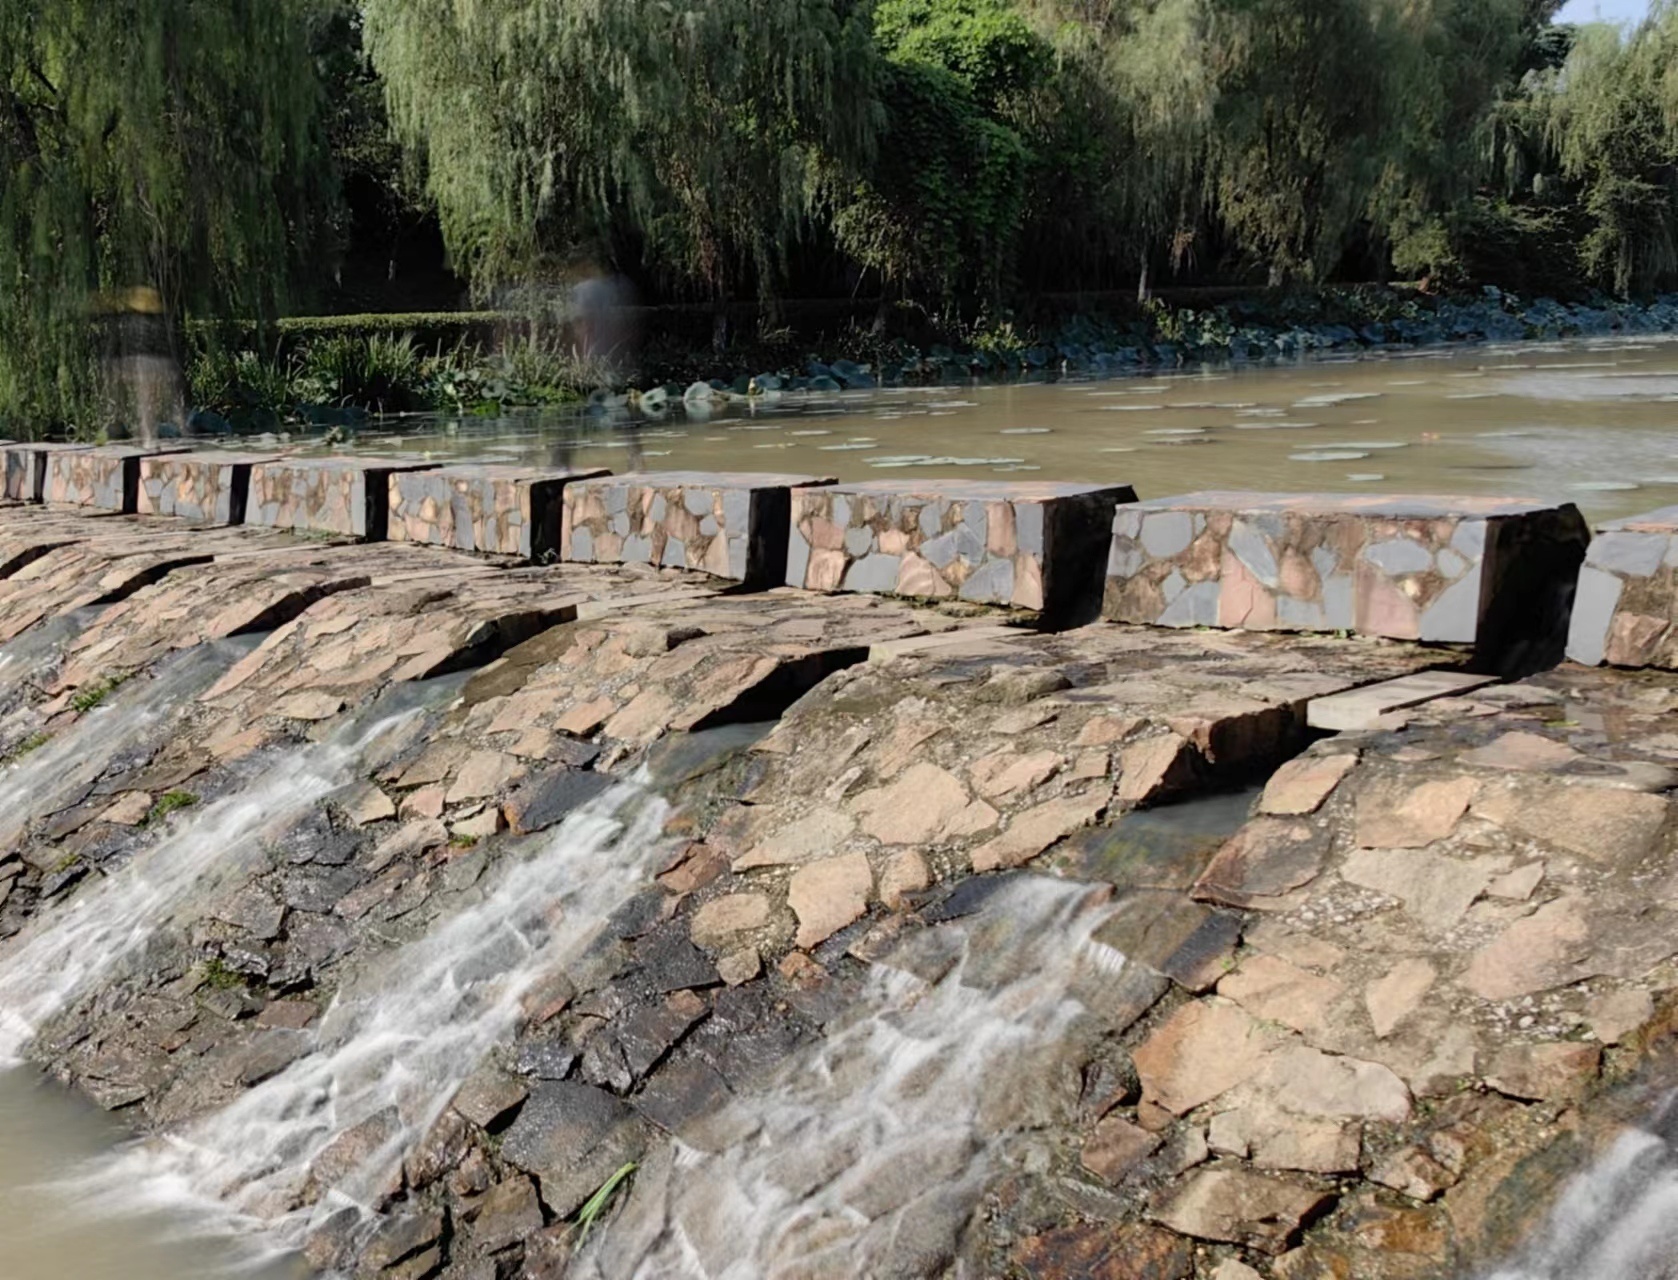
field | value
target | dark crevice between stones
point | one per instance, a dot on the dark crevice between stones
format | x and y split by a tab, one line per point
496	636
27	556
150	577
769	698
1527	605
1077	537
289	607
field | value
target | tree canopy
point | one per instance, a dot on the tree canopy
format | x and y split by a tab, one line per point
171	145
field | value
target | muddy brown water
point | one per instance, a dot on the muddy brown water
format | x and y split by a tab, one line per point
1590	422
1587	422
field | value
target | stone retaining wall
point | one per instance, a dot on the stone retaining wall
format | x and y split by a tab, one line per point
730	525
499	510
1628	594
1496	574
206	487
348	496
1033	545
106	478
25	468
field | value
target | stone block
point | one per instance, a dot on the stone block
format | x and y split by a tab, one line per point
1493	573
106	478
205	487
348	496
729	525
1626	609
25	469
495	509
1031	545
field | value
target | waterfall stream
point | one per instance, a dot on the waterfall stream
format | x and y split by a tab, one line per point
1619	1219
398	1041
869	1155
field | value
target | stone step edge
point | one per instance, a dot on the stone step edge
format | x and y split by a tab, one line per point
1363	707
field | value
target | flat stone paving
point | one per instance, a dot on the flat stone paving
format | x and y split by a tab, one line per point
1492	573
1627	603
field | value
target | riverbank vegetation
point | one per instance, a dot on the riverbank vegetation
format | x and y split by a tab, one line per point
986	172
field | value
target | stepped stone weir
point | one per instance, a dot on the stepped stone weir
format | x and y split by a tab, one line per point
205	487
349	496
496	509
1628	594
1033	545
106	478
728	525
1496	574
25	467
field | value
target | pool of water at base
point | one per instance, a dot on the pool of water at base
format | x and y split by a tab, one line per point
1586	421
46	1135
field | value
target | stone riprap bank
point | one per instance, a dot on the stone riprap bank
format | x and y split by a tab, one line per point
1355	1030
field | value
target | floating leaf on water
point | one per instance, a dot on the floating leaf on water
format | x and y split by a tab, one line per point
1364	475
844	448
1119	448
1272	426
1025	431
1327	455
1019	467
1175	431
1133	408
1604	486
1368	444
810	433
1330	398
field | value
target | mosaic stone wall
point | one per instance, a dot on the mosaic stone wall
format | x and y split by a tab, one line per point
499	510
1033	545
732	526
349	496
106	478
207	488
1626	611
1455	570
25	468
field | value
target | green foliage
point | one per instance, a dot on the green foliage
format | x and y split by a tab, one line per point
173	145
219	977
596	1204
166	804
86	699
34	742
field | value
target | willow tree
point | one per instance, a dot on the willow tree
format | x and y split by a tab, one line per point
688	128
169	146
1608	120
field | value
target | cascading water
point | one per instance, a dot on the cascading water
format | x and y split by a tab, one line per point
1619	1219
54	775
73	946
868	1156
396	1044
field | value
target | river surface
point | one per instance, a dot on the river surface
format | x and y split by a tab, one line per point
1590	422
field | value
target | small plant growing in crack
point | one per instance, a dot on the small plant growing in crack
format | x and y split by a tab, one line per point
34	742
87	699
166	804
595	1206
219	976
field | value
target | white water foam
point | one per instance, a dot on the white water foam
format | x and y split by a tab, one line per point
51	776
868	1155
1616	1221
398	1042
71	947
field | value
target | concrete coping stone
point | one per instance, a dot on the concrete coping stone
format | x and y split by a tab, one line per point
1369	505
25	468
104	477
